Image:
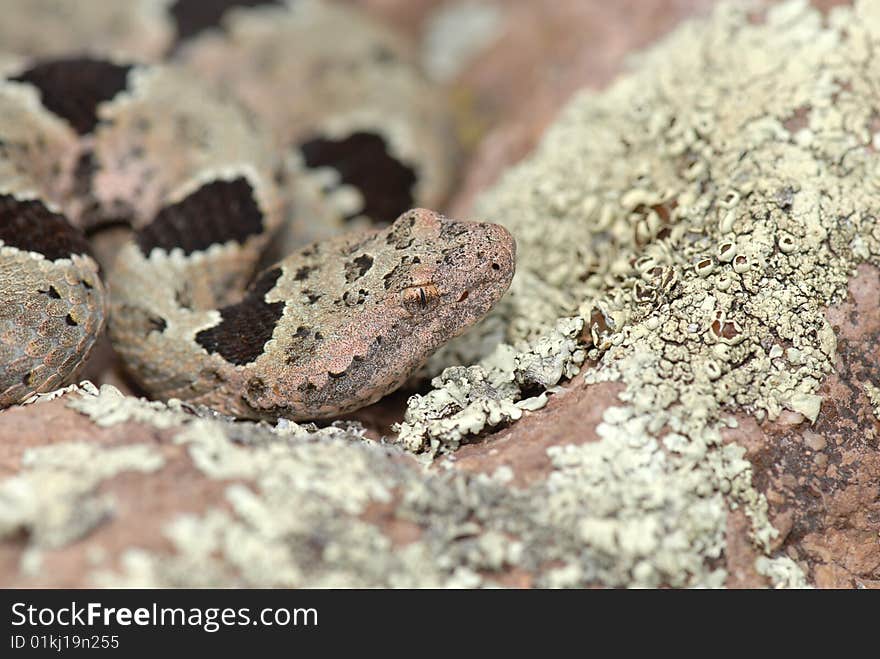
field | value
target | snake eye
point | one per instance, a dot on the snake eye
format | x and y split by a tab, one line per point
419	298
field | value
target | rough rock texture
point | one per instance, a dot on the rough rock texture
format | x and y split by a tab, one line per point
249	505
823	481
684	447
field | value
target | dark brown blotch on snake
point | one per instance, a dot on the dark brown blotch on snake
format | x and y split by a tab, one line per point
245	327
332	327
28	225
215	213
73	88
363	160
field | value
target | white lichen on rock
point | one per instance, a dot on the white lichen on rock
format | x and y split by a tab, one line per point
85	387
108	406
873	393
54	498
683	214
303	518
297	509
641	520
782	572
699	215
467	400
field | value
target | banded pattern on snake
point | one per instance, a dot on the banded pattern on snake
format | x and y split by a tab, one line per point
333	326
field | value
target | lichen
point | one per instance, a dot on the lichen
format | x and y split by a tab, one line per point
85	387
54	499
109	406
873	393
706	232
302	519
642	520
467	400
698	215
782	572
662	174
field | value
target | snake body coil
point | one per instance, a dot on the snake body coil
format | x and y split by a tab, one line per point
332	327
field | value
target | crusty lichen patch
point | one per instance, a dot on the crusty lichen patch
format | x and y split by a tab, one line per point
782	572
296	509
466	400
301	519
706	230
108	407
681	218
873	393
54	500
698	216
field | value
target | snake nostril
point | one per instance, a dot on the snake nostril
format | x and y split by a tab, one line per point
495	266
463	297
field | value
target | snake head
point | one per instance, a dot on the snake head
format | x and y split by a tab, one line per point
450	273
408	290
339	324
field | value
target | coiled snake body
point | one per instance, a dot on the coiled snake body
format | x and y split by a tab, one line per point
332	327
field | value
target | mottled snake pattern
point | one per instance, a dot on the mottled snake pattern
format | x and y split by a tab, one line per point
195	183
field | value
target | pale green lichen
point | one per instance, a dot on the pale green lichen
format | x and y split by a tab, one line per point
873	393
109	406
297	522
640	520
699	215
54	498
782	572
355	484
662	173
467	400
301	519
298	519
706	231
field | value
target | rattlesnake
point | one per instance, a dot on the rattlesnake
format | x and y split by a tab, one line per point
332	327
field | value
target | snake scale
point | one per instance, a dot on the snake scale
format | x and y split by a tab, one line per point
196	176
